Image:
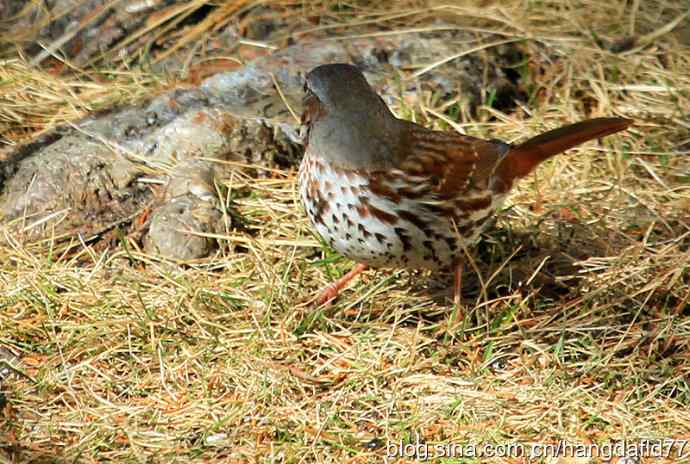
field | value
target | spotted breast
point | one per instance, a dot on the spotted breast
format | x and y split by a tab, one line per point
391	218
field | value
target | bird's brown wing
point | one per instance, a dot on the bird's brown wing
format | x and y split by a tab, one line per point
455	163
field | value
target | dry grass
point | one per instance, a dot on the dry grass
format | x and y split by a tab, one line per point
580	330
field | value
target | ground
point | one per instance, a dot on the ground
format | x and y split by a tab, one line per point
576	324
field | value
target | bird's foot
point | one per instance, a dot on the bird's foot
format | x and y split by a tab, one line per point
329	293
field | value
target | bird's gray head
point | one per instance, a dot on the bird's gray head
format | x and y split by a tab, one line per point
341	87
347	122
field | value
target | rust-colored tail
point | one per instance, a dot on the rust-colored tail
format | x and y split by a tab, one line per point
524	158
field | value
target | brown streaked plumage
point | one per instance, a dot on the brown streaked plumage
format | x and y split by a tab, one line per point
389	193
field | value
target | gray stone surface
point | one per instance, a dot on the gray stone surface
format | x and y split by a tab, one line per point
177	227
78	29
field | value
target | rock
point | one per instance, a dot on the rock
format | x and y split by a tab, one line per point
175	228
73	175
194	177
250	91
80	29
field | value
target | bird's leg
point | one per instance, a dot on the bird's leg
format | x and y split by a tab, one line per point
457	288
330	292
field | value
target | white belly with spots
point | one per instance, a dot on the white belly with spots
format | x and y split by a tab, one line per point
378	231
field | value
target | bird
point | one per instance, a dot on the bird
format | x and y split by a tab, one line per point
389	193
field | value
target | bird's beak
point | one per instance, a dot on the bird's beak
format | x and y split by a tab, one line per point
310	105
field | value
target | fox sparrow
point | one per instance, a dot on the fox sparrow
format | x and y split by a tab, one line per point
386	192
